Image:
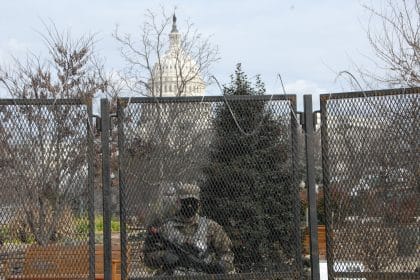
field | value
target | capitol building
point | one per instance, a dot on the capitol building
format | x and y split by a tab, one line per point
177	74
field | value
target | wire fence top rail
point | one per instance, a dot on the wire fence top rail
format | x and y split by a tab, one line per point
49	101
369	93
216	98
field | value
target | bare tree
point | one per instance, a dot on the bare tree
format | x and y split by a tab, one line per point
45	146
394	35
147	56
72	70
164	140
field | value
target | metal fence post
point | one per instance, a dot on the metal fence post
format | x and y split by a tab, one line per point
326	182
310	179
123	204
106	188
295	158
91	192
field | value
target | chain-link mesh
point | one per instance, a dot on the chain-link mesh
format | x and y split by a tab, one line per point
208	187
371	164
45	186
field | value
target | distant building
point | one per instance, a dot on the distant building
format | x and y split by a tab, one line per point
177	74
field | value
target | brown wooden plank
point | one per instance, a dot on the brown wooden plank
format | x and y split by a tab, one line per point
72	260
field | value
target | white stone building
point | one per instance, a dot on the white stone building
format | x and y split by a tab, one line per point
176	73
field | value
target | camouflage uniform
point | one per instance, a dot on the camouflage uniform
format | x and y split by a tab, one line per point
206	236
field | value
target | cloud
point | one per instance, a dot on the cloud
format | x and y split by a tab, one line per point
11	46
14	45
302	87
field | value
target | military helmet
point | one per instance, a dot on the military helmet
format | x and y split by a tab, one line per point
188	190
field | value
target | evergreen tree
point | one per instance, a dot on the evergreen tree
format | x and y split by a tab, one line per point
248	184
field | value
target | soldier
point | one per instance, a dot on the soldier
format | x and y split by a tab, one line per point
188	244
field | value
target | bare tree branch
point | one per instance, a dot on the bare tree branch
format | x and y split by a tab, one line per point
146	56
46	146
396	44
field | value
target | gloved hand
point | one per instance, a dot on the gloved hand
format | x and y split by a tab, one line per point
170	259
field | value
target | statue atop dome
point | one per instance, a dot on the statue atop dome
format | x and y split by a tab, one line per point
174	29
174	36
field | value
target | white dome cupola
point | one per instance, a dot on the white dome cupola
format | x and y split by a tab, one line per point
176	74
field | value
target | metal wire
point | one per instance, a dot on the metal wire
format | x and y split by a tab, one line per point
47	186
370	164
169	142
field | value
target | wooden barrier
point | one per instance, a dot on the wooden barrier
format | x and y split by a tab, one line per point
66	262
322	242
55	261
116	261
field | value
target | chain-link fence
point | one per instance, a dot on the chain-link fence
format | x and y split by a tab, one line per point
46	190
371	166
208	186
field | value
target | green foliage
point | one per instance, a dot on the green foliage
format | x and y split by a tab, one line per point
4	233
83	225
248	187
9	235
99	224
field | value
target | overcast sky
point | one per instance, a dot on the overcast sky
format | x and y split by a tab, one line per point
307	42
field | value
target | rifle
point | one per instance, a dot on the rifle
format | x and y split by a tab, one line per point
188	255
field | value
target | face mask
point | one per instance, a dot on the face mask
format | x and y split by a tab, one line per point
189	207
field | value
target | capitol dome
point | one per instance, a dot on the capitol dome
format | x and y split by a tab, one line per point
177	74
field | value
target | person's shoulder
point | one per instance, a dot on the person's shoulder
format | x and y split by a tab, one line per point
218	235
213	224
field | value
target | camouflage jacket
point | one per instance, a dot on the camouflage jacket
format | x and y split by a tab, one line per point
205	235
